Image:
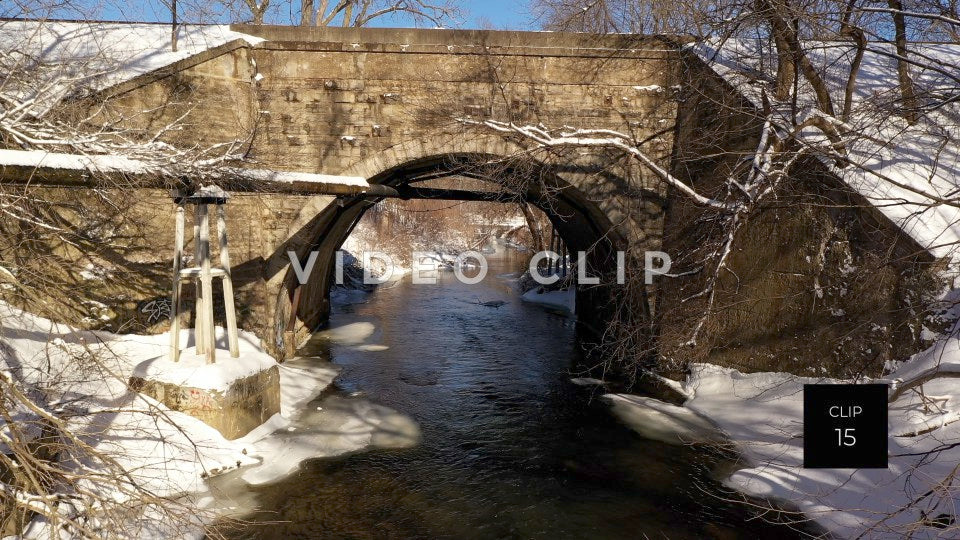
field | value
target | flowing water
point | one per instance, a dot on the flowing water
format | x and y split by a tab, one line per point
509	447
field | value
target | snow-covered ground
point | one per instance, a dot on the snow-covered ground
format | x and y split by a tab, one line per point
762	414
165	451
168	452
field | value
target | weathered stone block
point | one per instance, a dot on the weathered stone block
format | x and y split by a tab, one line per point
244	405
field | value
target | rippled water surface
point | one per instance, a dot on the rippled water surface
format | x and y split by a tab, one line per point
509	447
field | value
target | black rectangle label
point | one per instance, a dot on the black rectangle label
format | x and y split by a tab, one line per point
845	426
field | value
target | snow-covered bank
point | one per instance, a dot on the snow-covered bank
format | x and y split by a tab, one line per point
762	413
167	452
895	166
81	377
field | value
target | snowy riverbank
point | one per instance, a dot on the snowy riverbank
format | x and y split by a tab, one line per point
300	432
167	452
762	413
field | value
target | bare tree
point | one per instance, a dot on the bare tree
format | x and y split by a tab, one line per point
59	479
257	9
362	12
691	17
357	12
796	117
907	92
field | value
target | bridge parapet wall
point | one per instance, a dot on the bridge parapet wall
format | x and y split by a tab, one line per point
328	105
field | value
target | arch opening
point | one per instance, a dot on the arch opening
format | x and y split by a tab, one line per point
576	216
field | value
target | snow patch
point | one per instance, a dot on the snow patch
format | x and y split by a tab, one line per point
302	380
167	452
349	334
98	55
763	414
661	421
193	370
341	425
565	300
120	164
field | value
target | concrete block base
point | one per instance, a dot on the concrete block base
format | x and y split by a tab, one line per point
245	404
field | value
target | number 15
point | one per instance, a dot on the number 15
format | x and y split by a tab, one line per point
845	437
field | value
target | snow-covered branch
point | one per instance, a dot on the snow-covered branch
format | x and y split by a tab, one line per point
597	138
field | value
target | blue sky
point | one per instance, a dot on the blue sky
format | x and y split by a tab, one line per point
497	14
502	14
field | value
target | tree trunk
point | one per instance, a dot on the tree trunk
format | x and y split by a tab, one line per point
859	37
786	67
532	225
306	12
257	10
910	109
173	26
348	14
791	56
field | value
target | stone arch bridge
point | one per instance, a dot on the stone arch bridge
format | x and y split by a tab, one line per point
381	105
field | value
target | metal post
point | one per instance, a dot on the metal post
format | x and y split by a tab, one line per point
173	26
555	247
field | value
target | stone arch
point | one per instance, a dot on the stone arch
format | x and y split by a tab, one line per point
418	149
580	206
